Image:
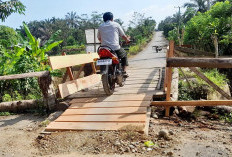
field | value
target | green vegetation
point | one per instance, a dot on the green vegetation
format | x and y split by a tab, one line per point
5	113
9	7
199	88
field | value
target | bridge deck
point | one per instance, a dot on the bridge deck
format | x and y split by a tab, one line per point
127	108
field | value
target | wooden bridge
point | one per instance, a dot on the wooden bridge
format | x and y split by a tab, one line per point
128	107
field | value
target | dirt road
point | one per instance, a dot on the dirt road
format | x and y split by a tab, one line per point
20	134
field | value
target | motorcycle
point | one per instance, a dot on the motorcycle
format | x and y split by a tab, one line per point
111	69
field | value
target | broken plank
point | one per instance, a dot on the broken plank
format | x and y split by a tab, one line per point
75	126
71	87
105	111
139	118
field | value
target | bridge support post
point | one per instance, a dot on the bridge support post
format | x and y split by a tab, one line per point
169	78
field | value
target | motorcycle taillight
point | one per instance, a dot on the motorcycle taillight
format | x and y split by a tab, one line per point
104	53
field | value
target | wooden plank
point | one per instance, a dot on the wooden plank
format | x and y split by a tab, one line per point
58	62
75	126
169	77
200	62
25	75
105	111
148	115
110	104
138	118
202	76
71	87
192	103
114	98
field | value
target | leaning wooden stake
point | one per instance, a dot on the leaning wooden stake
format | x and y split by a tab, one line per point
203	77
169	78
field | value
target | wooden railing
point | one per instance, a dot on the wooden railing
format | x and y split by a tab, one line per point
192	63
46	86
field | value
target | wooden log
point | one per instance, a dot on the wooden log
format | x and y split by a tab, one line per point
193	103
218	89
200	62
194	52
25	75
19	106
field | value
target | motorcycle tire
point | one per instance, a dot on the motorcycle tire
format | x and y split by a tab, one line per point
108	84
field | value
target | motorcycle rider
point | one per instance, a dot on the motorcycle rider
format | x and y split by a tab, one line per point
109	33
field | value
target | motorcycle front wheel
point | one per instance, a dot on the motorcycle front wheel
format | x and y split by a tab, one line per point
108	83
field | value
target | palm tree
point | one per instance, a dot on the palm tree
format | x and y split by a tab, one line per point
199	5
72	19
9	7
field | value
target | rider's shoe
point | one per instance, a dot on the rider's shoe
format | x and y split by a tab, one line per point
125	75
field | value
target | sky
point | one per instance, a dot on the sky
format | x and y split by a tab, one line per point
123	9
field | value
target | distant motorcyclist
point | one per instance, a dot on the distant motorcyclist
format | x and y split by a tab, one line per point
109	33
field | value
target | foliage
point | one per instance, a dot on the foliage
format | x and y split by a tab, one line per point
8	37
5	113
198	5
217	21
141	30
9	7
199	88
24	58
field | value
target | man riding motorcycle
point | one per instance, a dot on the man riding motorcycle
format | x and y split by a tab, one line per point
109	33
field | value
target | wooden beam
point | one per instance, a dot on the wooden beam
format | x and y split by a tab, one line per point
93	67
58	62
25	75
74	86
203	77
68	70
200	62
80	70
193	103
169	78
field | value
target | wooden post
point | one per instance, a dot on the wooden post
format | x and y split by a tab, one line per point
69	70
80	70
166	74
94	68
47	88
169	78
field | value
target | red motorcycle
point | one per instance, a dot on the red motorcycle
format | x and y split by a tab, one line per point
110	69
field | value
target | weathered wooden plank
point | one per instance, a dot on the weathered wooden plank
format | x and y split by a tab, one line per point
138	118
58	62
113	98
25	75
71	87
110	104
105	111
192	103
75	126
200	62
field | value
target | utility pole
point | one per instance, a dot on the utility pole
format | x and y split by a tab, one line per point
178	28
208	4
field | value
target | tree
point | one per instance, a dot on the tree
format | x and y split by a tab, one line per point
9	7
72	19
8	37
198	5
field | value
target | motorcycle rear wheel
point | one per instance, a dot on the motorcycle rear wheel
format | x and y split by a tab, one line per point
108	84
